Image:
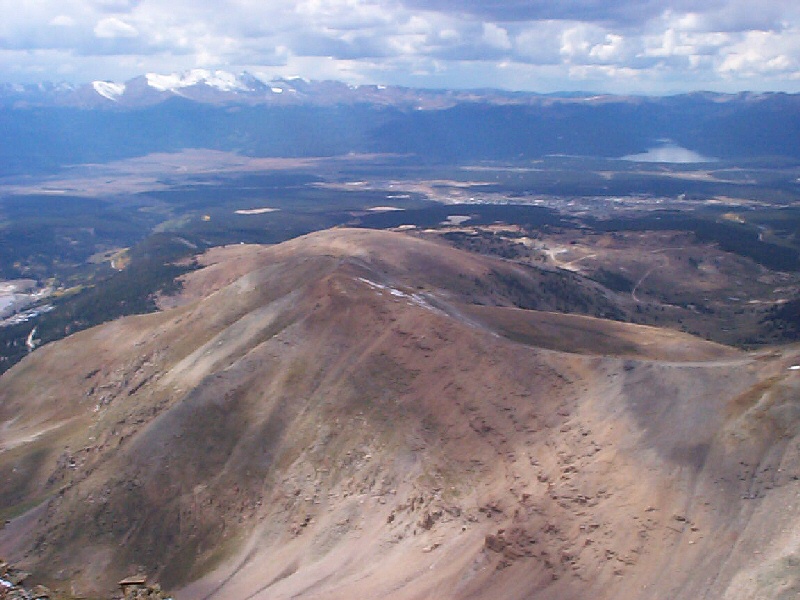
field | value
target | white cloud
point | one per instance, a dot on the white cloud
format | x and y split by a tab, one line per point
539	43
62	21
496	36
603	72
579	41
112	27
613	48
762	53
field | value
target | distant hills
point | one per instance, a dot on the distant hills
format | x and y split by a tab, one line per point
47	126
224	88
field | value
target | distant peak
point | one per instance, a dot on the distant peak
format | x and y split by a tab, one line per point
222	80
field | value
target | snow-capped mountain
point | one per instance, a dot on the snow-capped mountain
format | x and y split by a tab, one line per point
48	125
222	87
219	88
210	87
214	87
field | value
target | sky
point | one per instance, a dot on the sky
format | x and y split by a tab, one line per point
614	46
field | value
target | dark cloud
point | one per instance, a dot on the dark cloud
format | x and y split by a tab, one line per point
116	6
621	12
317	44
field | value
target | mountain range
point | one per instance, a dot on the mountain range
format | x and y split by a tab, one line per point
222	87
48	126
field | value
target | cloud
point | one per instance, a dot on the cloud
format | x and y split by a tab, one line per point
62	21
613	48
763	53
112	27
496	36
539	43
596	45
620	12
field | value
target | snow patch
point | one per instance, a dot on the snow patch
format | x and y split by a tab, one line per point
372	284
276	90
32	342
455	220
222	80
109	90
415	299
254	211
669	153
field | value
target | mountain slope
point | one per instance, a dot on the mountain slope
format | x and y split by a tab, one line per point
333	417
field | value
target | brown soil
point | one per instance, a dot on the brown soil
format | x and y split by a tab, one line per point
333	417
